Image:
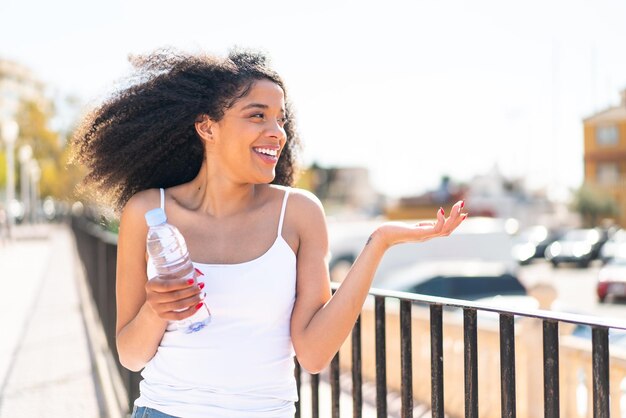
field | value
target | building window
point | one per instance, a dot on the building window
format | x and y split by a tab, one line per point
607	135
608	173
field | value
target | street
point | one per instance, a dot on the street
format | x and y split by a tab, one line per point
575	287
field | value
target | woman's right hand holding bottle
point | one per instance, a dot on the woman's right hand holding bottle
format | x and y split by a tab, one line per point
175	299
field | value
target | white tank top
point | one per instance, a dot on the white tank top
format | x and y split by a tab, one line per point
241	365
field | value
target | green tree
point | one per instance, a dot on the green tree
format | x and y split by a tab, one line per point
50	150
593	205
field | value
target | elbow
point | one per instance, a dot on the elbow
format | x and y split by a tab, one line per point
313	365
128	360
314	369
134	365
312	357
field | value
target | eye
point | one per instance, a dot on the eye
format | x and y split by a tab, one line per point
258	116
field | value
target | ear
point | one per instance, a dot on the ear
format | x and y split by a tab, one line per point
205	128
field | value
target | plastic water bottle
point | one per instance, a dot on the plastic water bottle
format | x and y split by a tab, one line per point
168	251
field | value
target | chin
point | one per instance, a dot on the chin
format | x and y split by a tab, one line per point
265	179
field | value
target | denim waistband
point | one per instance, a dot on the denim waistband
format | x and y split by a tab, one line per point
145	412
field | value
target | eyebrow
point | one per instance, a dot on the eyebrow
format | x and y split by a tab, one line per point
258	105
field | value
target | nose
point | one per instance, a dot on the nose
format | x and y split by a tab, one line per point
275	130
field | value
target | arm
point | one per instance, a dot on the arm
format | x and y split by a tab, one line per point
144	307
321	323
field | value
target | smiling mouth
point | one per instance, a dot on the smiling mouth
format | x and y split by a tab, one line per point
267	151
268	155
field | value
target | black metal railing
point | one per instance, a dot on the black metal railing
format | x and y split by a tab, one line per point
600	355
97	250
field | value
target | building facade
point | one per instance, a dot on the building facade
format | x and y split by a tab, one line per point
605	154
18	84
345	191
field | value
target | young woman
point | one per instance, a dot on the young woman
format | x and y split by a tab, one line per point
212	141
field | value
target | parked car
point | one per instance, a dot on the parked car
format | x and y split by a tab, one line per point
580	246
614	247
612	279
531	243
467	280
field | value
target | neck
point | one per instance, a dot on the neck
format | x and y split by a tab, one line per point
217	195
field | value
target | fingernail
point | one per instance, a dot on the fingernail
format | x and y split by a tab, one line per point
199	272
190	281
462	203
199	305
464	216
201	286
441	211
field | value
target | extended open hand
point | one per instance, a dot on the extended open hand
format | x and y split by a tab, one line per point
400	232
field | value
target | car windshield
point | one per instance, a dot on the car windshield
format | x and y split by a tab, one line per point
619	262
619	236
470	287
535	234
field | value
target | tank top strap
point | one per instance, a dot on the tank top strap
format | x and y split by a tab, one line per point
282	212
162	198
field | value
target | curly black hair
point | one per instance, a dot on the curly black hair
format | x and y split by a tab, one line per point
143	136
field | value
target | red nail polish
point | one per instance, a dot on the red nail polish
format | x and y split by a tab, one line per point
201	286
190	281
199	305
441	211
199	272
462	203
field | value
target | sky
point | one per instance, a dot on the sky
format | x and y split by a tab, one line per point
412	90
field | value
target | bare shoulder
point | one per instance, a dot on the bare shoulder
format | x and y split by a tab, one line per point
142	201
131	243
306	214
137	206
304	201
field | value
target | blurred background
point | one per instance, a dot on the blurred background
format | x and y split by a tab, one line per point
409	91
519	109
404	107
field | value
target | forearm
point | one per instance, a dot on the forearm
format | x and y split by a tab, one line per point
137	341
332	324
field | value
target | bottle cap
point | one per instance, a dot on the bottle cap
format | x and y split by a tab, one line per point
155	217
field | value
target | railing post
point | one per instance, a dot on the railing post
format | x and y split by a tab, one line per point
298	375
111	308
133	389
470	342
357	376
436	361
600	368
334	386
381	358
315	395
551	369
406	363
507	366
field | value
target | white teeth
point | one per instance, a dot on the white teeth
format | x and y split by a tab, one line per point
268	151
